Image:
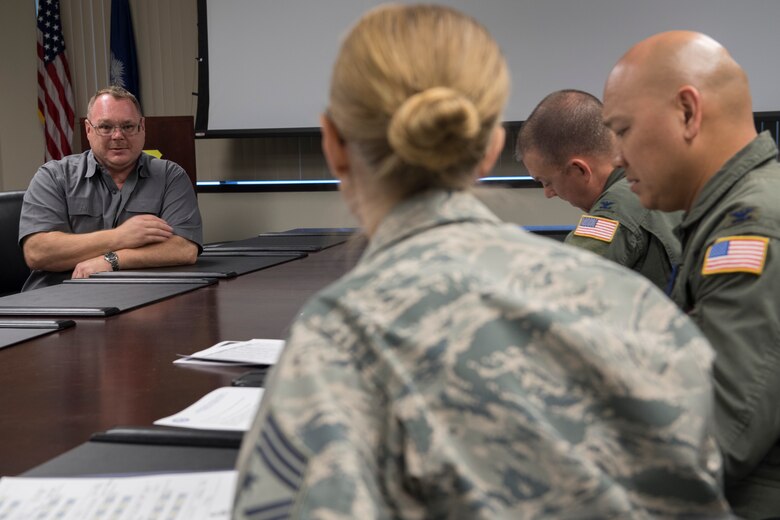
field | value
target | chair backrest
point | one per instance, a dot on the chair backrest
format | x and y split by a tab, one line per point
13	269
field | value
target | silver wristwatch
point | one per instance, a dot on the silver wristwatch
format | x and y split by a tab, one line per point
112	259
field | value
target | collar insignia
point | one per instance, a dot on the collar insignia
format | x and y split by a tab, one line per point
742	215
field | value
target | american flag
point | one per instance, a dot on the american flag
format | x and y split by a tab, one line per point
596	227
743	254
55	96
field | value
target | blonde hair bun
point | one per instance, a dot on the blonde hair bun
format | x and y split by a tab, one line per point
434	129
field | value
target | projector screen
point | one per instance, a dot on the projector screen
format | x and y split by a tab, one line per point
265	65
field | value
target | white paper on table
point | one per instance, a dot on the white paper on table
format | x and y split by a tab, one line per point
176	496
252	352
228	408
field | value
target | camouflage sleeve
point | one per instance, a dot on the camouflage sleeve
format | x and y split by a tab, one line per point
625	248
313	449
738	312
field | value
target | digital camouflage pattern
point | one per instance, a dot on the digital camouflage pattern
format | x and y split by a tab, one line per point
740	315
468	369
645	240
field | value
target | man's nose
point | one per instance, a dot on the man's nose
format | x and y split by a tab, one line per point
618	161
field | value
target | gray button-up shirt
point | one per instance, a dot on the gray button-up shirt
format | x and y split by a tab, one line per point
75	195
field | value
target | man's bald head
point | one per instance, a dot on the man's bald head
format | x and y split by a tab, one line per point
665	62
680	106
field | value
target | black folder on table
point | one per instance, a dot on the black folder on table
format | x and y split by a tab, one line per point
207	267
95	297
17	331
316	232
209	253
110	458
145	449
168	436
280	242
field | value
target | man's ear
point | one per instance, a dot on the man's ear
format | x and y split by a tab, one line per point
580	167
335	148
494	148
689	101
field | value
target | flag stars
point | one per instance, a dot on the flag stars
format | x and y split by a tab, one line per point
50	30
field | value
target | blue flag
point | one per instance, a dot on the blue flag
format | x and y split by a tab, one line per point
124	65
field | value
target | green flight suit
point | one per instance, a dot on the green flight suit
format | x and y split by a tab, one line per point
739	312
644	240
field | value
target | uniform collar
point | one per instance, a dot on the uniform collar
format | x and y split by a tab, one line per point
141	165
758	151
425	211
615	176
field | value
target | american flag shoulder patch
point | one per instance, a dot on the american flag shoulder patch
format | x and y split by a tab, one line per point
736	254
599	228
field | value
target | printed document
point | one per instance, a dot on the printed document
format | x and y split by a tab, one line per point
178	496
228	408
251	352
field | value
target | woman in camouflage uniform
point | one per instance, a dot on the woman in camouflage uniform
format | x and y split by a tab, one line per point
465	368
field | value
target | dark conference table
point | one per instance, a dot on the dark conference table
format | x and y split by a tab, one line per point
59	389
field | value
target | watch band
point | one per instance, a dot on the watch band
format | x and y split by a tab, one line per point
112	259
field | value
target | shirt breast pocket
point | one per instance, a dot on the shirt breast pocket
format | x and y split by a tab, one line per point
85	214
142	206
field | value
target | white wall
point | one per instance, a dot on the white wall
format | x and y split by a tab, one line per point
21	134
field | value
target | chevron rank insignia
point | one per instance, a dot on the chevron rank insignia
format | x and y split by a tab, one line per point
599	228
736	254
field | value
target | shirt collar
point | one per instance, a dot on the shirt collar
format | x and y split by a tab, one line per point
758	151
425	211
141	165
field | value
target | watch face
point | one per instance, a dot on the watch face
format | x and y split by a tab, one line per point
112	259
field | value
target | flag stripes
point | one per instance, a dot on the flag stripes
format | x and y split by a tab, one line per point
55	95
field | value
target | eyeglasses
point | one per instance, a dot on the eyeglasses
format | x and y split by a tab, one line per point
105	130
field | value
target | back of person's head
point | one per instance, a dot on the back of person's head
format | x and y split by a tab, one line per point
418	91
564	124
115	92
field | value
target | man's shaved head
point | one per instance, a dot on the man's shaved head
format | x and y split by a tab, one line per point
680	106
667	61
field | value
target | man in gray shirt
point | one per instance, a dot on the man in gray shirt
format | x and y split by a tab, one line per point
112	207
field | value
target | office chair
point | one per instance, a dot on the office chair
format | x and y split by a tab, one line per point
13	269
